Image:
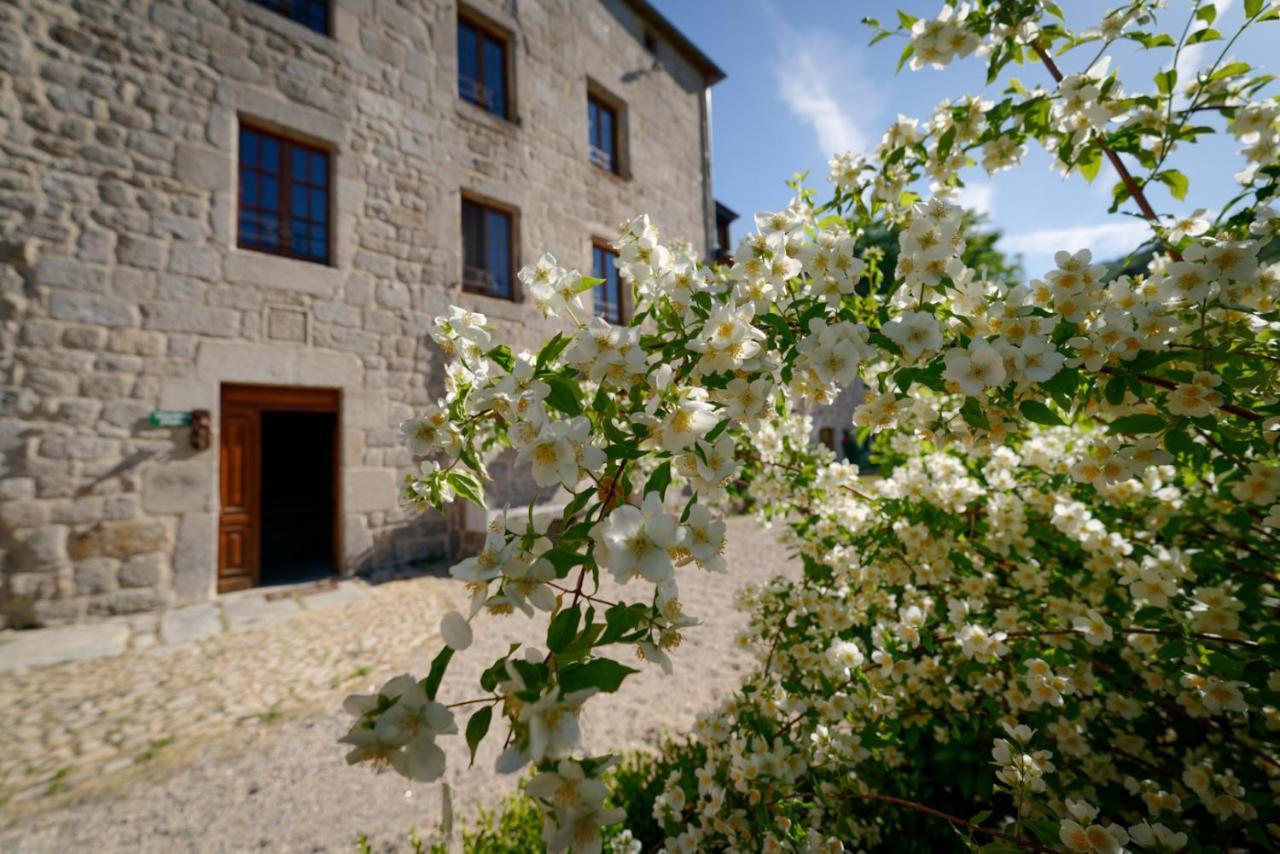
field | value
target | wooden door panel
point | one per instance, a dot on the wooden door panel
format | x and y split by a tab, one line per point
240	486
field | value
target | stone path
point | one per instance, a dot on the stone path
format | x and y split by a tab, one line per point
249	656
228	743
23	649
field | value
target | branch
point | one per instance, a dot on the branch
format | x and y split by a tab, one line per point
1024	844
1129	184
1170	385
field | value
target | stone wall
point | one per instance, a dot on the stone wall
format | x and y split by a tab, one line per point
122	289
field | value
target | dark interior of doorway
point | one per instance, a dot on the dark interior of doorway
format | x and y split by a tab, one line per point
297	496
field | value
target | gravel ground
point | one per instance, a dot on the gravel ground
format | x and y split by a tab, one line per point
279	784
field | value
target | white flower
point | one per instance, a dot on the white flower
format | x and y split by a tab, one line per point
1094	627
456	631
638	541
915	332
431	433
553	456
706	536
1192	225
1094	839
690	418
978	367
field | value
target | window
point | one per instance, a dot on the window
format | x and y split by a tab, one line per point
608	294
482	67
488	262
602	134
284	196
312	14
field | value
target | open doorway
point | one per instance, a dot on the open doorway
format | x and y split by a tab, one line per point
297	496
279	486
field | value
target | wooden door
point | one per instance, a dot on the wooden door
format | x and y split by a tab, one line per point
239	534
240	474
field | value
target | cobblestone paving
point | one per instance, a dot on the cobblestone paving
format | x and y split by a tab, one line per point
254	716
62	723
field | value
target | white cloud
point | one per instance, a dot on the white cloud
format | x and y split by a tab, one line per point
977	196
822	81
1106	240
1191	58
809	97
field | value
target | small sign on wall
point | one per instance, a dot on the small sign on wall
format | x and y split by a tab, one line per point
169	418
198	420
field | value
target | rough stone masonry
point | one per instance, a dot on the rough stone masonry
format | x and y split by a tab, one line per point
123	290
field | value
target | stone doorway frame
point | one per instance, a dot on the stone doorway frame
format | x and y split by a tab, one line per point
247	403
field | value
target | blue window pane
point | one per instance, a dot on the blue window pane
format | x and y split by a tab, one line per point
495	76
249	189
298	202
298	238
248	227
606	133
269	231
468	56
271	193
319	205
593	113
298	164
270	155
498	251
319	169
248	147
319	245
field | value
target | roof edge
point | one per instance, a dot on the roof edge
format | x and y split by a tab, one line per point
686	48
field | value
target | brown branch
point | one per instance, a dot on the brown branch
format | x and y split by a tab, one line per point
1025	844
1170	385
1129	184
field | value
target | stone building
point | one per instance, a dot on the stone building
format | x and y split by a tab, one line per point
246	213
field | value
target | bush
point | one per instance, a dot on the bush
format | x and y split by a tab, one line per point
1050	624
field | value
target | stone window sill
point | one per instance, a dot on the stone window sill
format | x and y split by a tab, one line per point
499	307
484	118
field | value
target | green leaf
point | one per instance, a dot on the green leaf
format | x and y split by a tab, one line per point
1114	392
563	560
563	628
1089	163
1137	424
619	620
438	666
1166	80
1046	831
1207	13
586	283
467	485
502	355
563	395
906	20
1252	7
1034	410
477	728
659	480
602	673
1175	181
1179	443
1231	69
1208	34
551	351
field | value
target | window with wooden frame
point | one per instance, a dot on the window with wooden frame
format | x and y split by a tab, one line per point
482	66
607	296
284	199
312	14
488	250
602	134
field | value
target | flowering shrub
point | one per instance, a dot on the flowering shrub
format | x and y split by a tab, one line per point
1057	608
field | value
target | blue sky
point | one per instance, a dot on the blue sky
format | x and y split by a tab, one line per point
802	83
